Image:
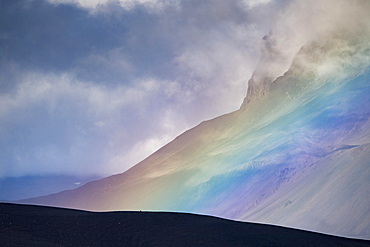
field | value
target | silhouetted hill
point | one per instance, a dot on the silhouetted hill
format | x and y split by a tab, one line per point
28	225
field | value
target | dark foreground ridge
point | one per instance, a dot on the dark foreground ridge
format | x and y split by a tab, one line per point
27	225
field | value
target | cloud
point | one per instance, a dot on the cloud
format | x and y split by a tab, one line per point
100	104
101	5
96	86
57	124
253	3
51	90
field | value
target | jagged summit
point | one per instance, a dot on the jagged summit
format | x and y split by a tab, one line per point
268	69
339	50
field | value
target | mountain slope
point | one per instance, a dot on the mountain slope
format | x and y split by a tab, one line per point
295	154
17	188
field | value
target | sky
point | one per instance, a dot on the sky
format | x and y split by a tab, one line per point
93	87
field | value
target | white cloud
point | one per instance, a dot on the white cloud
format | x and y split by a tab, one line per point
129	4
253	3
89	4
58	124
215	65
94	5
51	89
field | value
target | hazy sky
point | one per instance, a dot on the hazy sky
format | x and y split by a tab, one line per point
94	86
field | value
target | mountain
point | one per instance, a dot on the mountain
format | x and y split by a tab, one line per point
17	188
47	226
296	153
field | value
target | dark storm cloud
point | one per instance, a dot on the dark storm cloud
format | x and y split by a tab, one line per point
39	35
36	35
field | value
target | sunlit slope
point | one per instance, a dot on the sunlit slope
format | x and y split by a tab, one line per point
296	155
